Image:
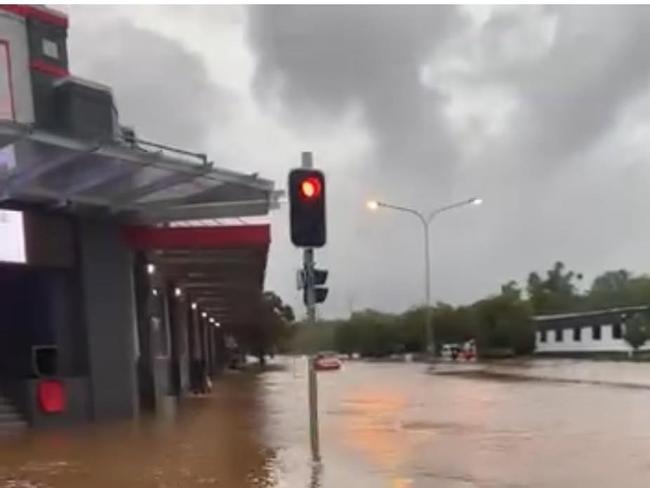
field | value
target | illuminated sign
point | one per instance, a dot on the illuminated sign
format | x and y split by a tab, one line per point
6	96
7	157
12	230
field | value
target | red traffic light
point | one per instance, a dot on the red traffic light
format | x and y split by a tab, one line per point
307	191
310	187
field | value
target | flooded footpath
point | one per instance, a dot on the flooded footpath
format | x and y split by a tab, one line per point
382	425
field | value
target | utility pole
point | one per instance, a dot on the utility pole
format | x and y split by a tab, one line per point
425	220
307	217
312	379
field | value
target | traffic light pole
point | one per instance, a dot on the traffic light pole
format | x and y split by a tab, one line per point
308	267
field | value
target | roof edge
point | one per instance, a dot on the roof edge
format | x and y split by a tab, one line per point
590	313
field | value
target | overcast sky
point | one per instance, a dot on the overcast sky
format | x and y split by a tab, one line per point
544	112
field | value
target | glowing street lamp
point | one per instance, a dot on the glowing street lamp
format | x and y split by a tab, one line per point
426	223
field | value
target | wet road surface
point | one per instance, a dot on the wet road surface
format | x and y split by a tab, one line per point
382	425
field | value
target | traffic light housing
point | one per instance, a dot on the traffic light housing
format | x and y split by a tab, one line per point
320	295
307	207
320	292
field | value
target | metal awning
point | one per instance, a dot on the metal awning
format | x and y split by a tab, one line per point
135	181
220	268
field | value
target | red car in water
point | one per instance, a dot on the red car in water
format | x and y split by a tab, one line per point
327	362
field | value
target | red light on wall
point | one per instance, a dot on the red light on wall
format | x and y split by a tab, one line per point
310	188
51	396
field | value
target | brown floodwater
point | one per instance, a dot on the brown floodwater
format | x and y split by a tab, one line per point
382	425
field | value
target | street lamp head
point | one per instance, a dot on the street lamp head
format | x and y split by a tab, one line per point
372	204
476	201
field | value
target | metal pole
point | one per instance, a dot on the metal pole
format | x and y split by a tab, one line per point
313	411
308	266
429	337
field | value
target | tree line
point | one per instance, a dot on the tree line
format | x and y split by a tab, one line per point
501	324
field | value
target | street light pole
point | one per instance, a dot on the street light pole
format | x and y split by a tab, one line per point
430	337
426	224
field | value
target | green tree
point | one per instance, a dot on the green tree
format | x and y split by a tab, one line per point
637	331
370	333
619	288
412	330
611	282
453	324
504	322
347	338
557	292
379	334
311	338
270	328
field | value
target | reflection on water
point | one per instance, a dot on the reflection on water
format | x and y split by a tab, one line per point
382	425
316	475
372	427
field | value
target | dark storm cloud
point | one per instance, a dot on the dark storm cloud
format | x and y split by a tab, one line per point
160	87
571	95
323	62
561	178
549	189
331	58
326	60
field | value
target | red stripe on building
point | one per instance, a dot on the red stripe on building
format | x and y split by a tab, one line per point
48	68
146	238
29	11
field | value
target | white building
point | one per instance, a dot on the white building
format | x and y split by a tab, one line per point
597	331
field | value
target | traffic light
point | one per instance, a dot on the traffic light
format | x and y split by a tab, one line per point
307	207
320	292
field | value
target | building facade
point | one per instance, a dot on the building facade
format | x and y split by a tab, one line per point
585	333
108	305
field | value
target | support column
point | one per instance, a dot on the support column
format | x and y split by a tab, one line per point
108	303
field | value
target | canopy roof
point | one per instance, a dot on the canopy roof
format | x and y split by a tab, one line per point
220	268
136	182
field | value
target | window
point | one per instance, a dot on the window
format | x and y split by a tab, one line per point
595	332
50	49
617	331
559	336
577	334
542	336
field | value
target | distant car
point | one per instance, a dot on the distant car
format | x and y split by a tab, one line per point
469	350
450	352
326	361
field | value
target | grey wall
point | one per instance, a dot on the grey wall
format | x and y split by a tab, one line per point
108	295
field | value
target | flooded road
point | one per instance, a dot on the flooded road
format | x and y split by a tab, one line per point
382	425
